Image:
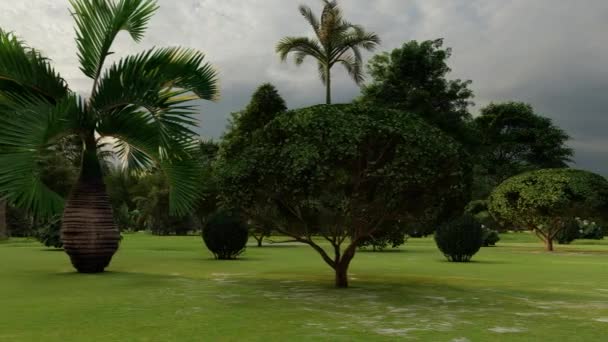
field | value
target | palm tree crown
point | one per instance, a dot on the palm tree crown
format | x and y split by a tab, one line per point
143	102
337	41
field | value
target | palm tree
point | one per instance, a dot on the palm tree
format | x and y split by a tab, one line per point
338	41
143	102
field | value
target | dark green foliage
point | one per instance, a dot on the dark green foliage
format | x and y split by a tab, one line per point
579	229
265	104
413	78
340	172
460	239
225	235
479	210
391	234
514	139
569	233
490	237
544	201
48	232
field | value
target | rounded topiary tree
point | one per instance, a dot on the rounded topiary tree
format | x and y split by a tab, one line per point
341	172
459	239
545	201
225	235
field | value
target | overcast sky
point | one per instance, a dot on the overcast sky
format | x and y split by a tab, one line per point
552	54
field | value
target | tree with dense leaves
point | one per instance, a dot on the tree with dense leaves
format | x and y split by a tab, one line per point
142	101
413	78
337	42
265	104
341	172
545	201
514	139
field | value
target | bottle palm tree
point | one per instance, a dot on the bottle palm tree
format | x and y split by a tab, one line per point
142	101
338	41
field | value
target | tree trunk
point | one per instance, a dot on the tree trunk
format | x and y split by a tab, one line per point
260	241
90	236
549	244
328	87
341	276
3	223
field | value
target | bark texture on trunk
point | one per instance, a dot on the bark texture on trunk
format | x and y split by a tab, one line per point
549	245
3	223
88	232
341	276
90	236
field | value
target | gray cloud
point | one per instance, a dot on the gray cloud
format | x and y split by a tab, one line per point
551	54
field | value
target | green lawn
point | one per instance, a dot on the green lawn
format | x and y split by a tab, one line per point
169	289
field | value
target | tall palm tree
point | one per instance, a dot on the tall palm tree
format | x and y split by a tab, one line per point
337	41
142	101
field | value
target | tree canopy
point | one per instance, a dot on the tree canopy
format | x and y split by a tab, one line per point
514	139
413	78
544	201
341	172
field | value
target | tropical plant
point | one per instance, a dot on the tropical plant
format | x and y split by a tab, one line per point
141	101
459	239
337	41
546	201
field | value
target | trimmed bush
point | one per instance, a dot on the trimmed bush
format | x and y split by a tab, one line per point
490	237
459	239
225	235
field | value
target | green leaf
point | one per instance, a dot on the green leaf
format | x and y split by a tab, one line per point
25	70
98	22
27	134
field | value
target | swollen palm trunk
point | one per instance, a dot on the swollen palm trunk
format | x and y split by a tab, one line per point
90	236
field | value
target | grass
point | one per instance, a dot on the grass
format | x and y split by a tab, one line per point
169	289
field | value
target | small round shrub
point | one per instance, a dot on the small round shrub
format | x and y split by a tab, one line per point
225	235
459	239
490	237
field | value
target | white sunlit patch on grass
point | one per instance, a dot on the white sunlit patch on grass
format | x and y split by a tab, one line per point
507	330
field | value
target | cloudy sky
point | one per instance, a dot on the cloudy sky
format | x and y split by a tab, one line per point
552	54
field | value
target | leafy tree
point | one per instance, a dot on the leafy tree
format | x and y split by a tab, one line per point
341	172
337	41
265	104
391	233
514	139
545	201
209	199
413	78
141	101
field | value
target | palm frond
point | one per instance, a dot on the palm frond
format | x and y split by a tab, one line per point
311	18
27	135
25	70
353	66
98	22
140	146
301	45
